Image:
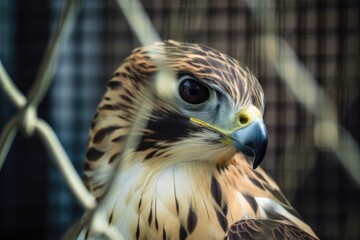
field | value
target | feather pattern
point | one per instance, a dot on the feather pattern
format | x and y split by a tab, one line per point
183	181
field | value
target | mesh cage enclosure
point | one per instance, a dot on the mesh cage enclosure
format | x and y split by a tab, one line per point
325	35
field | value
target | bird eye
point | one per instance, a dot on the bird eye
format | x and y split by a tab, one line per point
191	91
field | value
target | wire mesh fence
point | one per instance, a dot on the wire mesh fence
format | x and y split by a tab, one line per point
305	54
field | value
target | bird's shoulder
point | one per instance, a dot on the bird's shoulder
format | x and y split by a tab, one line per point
266	229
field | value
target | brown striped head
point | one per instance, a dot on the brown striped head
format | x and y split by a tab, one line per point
193	115
210	67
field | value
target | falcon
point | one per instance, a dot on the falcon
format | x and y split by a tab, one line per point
194	173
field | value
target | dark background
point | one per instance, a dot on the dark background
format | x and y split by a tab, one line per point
34	199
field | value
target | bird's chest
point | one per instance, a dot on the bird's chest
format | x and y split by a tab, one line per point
175	205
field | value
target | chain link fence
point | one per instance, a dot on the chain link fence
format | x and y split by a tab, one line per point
265	25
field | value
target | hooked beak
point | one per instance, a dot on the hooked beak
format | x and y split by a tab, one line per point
249	136
252	140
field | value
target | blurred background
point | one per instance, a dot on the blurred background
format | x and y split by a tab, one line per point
34	199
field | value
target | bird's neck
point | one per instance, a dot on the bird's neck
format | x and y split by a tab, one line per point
192	199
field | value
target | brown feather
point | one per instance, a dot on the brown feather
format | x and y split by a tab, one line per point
183	180
265	229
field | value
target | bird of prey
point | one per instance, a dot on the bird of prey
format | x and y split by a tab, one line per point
194	173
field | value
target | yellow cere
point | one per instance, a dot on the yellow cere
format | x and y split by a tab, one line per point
244	118
247	115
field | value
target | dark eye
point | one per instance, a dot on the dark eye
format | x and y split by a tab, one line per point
191	91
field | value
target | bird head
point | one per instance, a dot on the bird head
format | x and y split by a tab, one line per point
207	108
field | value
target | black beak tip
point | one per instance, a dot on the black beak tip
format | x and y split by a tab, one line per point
257	161
252	141
255	165
260	154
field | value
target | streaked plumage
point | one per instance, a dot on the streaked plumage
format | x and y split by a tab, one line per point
186	180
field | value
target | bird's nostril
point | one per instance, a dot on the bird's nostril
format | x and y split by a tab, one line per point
243	119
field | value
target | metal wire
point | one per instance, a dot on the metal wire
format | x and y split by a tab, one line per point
328	133
146	33
287	65
26	117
